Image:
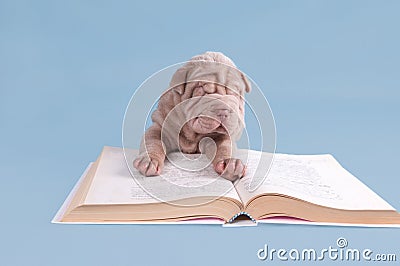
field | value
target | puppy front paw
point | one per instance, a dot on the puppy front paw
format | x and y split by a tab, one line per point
230	169
148	166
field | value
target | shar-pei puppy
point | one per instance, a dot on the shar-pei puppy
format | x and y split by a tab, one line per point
201	112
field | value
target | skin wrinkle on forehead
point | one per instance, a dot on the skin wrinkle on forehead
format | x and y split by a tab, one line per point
211	72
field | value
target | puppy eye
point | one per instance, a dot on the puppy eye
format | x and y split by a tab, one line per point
198	91
229	91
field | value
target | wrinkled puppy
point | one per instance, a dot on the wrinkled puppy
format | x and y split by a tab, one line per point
201	112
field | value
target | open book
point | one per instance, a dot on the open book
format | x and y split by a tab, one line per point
297	189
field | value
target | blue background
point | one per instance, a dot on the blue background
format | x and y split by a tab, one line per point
330	70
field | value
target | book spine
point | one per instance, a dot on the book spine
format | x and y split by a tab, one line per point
241	213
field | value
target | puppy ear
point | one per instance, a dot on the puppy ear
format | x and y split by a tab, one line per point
246	83
178	81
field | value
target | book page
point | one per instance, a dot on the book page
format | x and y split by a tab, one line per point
114	184
318	179
63	209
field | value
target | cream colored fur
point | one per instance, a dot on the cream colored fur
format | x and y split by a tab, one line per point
205	100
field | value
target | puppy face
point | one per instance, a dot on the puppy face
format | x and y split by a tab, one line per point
216	95
214	113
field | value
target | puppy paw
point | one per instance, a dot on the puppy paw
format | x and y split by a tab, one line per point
148	166
230	169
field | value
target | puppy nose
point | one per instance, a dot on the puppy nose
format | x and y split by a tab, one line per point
222	114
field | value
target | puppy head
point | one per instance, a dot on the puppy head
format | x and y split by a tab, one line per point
210	68
216	91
